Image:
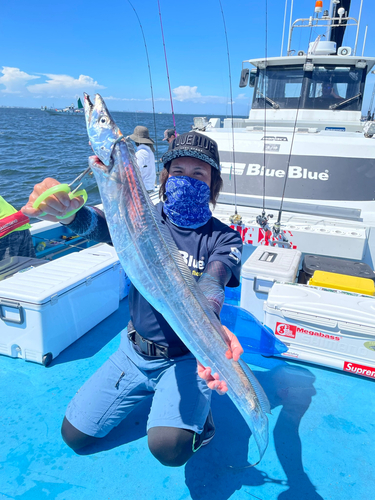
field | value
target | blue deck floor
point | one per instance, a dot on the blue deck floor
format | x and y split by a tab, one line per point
321	436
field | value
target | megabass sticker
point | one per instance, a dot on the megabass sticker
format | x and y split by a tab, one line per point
286	330
366	371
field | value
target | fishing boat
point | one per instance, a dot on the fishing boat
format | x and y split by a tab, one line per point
298	174
71	110
321	426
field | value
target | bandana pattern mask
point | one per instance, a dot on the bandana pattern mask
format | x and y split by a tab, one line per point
187	203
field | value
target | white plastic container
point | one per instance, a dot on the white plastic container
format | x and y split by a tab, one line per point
326	327
45	309
265	266
322	48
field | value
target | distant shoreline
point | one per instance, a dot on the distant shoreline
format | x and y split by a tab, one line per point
137	112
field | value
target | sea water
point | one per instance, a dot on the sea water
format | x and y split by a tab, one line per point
35	145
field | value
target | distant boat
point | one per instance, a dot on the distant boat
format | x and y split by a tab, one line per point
69	110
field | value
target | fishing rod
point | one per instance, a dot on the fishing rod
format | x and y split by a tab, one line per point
58	243
262	219
236	218
149	72
276	228
166	65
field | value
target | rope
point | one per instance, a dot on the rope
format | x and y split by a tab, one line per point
166	65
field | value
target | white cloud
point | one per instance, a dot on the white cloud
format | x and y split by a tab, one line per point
64	85
242	96
15	80
186	93
56	86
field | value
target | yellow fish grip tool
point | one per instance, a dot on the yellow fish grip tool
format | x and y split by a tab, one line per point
58	189
67	188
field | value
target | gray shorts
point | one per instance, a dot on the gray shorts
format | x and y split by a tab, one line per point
180	398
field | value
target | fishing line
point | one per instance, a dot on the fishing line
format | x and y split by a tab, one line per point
238	220
149	72
166	65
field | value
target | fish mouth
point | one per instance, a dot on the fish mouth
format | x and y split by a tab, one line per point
96	164
96	109
88	107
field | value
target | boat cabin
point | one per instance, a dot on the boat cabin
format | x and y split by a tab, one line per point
319	88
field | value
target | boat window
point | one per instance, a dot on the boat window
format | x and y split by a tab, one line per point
328	85
278	87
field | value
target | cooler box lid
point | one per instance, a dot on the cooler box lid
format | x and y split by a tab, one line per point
334	309
37	286
279	263
13	265
312	263
343	282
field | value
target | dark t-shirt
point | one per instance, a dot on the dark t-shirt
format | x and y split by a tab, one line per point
214	241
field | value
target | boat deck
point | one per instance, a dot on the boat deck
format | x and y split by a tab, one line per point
321	436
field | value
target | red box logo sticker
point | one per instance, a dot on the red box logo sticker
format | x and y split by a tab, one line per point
285	330
366	371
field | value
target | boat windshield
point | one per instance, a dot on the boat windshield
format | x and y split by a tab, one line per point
330	85
282	85
290	87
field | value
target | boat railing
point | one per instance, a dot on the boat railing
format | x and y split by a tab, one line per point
323	22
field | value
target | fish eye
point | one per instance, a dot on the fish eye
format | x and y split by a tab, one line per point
103	120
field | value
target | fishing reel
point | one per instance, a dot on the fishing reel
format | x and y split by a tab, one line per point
277	233
236	219
262	220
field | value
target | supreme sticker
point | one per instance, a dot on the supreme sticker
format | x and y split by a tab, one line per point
366	371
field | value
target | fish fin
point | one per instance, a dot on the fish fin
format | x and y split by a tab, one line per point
254	337
259	391
131	150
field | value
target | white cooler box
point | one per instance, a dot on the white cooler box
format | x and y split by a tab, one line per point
265	266
45	309
326	327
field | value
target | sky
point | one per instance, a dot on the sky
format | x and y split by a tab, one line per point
51	52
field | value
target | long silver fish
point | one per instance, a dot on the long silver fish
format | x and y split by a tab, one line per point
156	268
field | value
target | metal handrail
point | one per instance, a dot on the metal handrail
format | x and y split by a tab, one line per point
315	22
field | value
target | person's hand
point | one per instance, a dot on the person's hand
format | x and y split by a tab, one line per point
213	380
56	205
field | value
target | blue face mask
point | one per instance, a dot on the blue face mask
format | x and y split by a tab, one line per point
187	203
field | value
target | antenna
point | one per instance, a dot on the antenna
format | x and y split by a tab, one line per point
359	22
290	24
282	38
364	41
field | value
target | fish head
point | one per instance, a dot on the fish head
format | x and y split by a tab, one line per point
101	128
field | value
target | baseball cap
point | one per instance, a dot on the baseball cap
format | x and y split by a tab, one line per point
194	145
168	133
